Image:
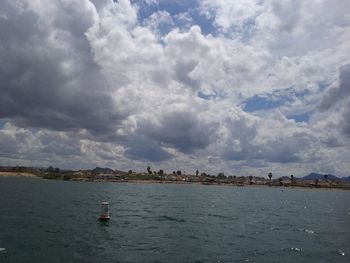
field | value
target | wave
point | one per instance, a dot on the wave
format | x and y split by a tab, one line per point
169	218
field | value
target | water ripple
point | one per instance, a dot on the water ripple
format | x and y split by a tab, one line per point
169	218
170	223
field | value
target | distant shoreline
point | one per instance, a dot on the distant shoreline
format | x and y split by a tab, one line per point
152	181
216	184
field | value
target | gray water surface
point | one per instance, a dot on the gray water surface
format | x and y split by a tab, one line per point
56	221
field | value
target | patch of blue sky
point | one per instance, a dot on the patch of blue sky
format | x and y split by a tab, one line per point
302	94
206	96
291	92
260	102
304	117
275	99
175	7
248	30
206	24
2	123
165	28
280	99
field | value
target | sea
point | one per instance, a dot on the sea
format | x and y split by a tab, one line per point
57	221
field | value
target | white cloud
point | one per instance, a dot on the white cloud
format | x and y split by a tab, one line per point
86	83
230	14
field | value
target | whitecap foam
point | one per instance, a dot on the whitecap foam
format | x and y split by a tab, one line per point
309	231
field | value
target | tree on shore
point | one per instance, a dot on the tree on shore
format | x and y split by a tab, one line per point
197	172
160	172
149	170
50	169
326	177
270	175
250	179
178	172
221	176
280	181
292	178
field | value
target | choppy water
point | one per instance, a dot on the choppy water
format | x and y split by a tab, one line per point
56	221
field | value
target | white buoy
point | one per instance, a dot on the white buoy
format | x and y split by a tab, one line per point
104	212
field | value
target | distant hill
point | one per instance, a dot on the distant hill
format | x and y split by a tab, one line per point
347	179
314	176
101	170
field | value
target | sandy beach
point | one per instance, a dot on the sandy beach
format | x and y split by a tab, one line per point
12	174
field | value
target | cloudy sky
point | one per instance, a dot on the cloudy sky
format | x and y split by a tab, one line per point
244	87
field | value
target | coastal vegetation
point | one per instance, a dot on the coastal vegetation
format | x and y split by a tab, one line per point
99	174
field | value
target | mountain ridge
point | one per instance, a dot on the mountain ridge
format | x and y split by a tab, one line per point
318	176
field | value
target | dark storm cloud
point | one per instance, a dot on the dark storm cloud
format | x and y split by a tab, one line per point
142	148
336	94
182	130
340	97
345	120
48	77
279	151
281	148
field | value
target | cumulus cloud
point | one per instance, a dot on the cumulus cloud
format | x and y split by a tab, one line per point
143	148
48	76
230	14
337	92
181	129
337	100
274	139
100	82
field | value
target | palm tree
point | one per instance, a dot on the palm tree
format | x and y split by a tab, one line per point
270	176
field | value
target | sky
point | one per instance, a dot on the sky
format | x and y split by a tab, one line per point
244	87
